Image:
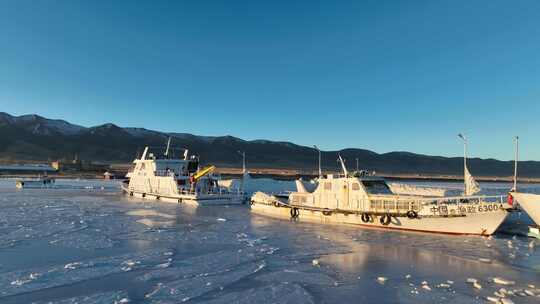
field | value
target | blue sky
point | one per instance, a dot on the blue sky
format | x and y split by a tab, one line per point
380	75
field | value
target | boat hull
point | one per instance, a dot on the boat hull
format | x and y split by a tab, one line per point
530	203
471	224
190	199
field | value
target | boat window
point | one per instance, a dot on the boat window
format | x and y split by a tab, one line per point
356	186
377	187
193	166
328	186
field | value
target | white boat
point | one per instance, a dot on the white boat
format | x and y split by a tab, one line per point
177	180
38	183
365	200
530	203
527	201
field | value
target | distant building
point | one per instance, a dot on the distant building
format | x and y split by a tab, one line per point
79	165
60	165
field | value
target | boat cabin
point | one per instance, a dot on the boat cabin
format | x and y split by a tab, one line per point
345	193
152	165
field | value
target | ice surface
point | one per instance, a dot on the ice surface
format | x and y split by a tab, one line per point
115	297
191	287
298	276
276	293
83	242
28	280
204	265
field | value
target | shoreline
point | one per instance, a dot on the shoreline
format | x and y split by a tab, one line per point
284	174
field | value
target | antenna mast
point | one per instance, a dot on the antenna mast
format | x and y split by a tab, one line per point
168	147
320	170
243	154
343	166
464	157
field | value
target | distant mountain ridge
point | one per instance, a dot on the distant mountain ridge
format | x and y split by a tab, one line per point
32	137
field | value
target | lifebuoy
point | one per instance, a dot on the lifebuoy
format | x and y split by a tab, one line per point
327	212
412	214
294	212
365	217
385	219
276	204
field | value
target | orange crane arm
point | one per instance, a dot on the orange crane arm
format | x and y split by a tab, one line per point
203	172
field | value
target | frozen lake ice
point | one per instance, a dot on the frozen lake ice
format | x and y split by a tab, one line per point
83	242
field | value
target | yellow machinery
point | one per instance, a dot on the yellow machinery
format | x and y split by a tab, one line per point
203	172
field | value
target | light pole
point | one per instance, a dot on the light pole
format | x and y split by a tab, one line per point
320	170
464	159
243	154
516	142
464	149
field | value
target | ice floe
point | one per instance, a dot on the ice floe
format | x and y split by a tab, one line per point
188	288
501	281
22	281
113	297
275	293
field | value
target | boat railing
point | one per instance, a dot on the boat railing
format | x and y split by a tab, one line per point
438	205
164	173
214	191
379	204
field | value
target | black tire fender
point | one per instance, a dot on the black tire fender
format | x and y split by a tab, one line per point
412	214
385	219
365	217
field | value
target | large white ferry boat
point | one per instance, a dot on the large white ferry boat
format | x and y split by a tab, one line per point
366	200
177	180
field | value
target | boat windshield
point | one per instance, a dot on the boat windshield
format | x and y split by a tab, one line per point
377	187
